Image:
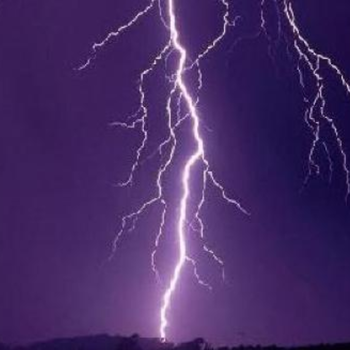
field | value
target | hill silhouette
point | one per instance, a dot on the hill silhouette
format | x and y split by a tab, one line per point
135	342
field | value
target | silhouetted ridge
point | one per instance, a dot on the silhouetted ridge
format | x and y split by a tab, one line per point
135	342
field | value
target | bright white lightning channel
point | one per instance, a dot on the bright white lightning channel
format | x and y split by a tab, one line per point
186	174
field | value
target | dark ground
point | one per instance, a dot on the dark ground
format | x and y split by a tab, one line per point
106	342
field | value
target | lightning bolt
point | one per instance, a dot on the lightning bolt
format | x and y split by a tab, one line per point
186	174
198	156
182	110
179	95
311	62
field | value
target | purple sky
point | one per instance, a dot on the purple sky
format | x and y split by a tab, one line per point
287	265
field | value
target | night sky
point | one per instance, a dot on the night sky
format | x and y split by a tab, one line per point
287	265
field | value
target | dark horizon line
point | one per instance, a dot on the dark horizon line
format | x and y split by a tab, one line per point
170	344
